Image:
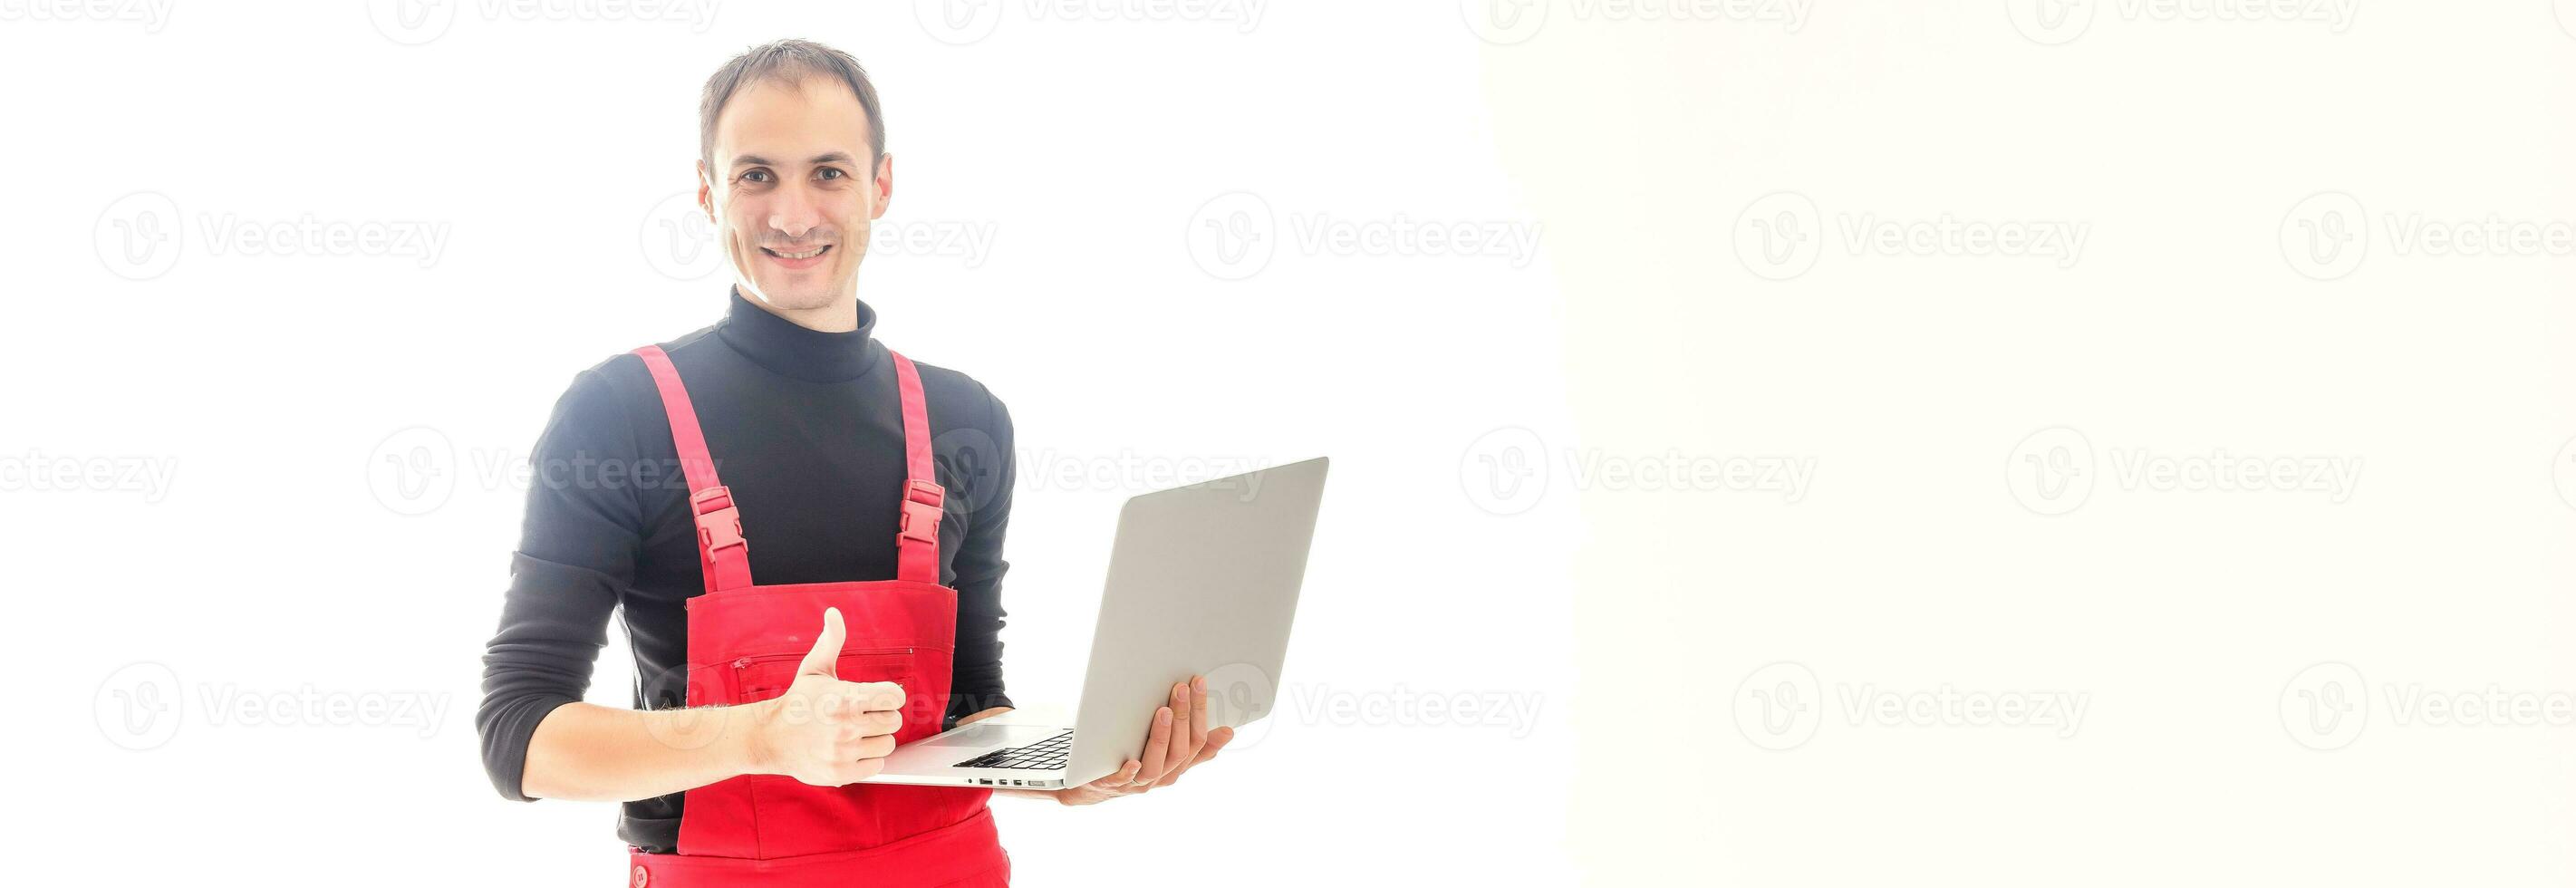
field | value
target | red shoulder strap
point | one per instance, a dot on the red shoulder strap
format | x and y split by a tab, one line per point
916	538
723	556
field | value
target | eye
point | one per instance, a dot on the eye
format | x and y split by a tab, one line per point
832	173
757	176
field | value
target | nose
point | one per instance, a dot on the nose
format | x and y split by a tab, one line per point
794	213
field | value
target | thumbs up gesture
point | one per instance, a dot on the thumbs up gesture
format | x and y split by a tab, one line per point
825	731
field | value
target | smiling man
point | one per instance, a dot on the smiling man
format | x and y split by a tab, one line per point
867	494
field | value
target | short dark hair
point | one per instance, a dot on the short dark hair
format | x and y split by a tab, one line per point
787	60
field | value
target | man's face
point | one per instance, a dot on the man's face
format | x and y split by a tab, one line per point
792	192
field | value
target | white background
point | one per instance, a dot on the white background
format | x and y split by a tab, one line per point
1753	531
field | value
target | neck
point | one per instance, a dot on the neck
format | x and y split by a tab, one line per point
841	315
793	346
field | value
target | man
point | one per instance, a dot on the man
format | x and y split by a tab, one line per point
866	493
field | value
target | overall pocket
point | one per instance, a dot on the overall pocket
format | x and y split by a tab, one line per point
753	679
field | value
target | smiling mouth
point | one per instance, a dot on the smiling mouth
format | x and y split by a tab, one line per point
808	254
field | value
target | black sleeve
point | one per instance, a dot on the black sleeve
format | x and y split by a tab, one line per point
576	550
976	684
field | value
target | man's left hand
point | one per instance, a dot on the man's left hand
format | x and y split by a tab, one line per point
1178	740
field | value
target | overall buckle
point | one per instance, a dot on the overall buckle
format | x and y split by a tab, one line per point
922	501
719	523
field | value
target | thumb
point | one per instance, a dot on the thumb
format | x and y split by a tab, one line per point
827	647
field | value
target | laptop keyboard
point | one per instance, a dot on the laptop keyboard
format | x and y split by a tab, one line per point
1046	754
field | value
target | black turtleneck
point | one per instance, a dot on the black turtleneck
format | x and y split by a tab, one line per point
806	429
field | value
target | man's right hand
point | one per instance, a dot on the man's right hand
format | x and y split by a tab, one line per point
825	731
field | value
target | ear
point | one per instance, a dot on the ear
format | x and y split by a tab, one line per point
884	185
706	195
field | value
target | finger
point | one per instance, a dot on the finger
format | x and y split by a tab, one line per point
871	724
1217	739
1198	709
876	747
874	696
1118	779
846	773
826	654
1158	741
1184	745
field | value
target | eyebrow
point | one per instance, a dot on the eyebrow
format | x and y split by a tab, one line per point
842	157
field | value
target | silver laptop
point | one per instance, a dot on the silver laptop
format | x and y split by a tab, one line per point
1202	581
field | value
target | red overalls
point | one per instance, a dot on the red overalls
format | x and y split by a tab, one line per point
745	642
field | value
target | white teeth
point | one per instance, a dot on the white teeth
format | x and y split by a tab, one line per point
817	251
